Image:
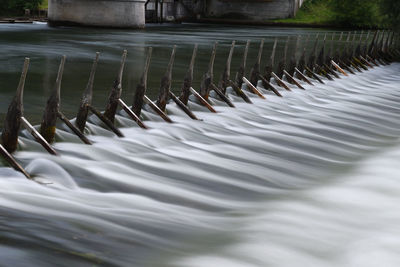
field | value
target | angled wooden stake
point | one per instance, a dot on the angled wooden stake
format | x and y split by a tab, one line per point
141	87
105	120
13	163
156	109
187	82
270	86
269	68
202	100
48	125
131	114
87	96
339	68
240	92
208	77
226	74
255	70
38	137
312	74
12	122
280	82
222	95
293	80
182	106
303	77
73	128
116	90
242	68
165	86
253	88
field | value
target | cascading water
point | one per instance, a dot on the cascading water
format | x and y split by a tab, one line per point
309	179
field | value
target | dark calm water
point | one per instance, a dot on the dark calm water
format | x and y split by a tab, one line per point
45	46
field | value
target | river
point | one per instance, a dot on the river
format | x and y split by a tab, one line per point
310	179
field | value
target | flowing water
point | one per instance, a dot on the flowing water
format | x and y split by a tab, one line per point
309	179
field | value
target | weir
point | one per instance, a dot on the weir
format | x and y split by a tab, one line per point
382	48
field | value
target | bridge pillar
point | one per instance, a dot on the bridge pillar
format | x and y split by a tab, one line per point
100	13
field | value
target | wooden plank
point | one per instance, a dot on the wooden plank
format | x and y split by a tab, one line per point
13	163
106	121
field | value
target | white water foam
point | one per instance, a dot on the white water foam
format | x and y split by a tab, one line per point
309	179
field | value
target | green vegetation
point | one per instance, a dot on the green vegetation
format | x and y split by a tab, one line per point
17	7
349	13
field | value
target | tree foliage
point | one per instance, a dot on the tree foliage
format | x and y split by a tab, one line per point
18	6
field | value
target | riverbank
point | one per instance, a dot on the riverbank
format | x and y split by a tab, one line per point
27	20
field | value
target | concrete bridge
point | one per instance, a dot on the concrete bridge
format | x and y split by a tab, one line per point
133	13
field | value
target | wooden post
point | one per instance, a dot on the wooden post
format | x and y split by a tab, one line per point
48	125
116	90
83	111
282	63
12	123
242	69
141	87
105	120
270	66
226	74
313	55
202	100
302	60
156	109
182	106
255	70
207	80
187	82
165	86
13	163
38	137
293	58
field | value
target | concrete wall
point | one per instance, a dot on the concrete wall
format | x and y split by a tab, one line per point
256	10
101	13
